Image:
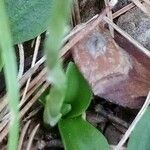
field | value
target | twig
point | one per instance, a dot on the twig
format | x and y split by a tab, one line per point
95	118
110	117
134	123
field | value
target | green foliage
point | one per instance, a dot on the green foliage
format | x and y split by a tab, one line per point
10	70
139	139
28	18
57	25
78	134
78	92
54	100
70	94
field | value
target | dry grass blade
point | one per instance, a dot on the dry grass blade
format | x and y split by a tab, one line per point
22	81
113	147
4	133
141	6
32	137
128	37
21	62
123	10
24	130
136	120
3	124
31	71
37	45
34	99
3	103
34	89
32	113
34	85
109	14
40	75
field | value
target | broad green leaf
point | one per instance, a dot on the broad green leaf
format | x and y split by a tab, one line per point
78	92
28	18
140	138
78	134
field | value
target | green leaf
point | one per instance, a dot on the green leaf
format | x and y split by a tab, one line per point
140	137
10	71
78	92
28	18
55	99
57	25
78	134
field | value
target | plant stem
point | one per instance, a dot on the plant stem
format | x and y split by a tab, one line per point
10	70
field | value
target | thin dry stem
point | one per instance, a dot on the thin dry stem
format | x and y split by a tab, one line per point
4	133
123	10
21	62
23	133
37	45
109	14
32	137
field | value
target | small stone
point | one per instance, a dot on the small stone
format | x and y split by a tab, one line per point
137	24
112	72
